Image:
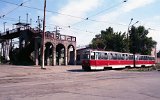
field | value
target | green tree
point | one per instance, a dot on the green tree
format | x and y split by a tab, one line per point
110	40
139	42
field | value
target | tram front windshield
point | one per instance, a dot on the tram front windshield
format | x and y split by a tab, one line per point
89	55
86	55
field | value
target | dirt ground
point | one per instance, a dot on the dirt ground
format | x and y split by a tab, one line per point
72	83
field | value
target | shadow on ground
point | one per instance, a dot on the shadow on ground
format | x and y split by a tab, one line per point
76	70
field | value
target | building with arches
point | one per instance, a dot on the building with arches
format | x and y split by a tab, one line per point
59	49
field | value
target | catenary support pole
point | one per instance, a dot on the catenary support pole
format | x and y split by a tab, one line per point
43	35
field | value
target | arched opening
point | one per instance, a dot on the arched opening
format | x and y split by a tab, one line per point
71	55
60	54
48	54
23	43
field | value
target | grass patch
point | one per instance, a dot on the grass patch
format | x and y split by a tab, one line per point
143	69
157	66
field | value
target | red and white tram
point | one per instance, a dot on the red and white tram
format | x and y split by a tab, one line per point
98	60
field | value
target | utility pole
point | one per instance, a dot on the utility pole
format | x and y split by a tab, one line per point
31	22
19	19
57	30
27	18
1	54
134	57
134	45
128	35
4	23
43	35
39	24
128	32
4	43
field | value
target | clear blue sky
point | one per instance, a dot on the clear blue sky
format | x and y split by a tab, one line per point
100	13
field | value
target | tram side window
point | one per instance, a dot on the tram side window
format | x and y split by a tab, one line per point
100	56
104	56
153	58
136	57
140	58
110	56
127	57
123	57
92	55
144	58
119	57
97	55
148	58
115	56
130	57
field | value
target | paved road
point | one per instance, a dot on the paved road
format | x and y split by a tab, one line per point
71	83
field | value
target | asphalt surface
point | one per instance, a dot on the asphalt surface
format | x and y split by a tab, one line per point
72	83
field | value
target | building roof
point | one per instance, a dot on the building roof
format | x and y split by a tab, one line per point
22	24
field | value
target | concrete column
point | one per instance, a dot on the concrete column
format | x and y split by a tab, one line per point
47	56
1	51
20	43
11	45
54	56
68	55
59	57
7	50
3	48
65	57
52	60
36	51
75	54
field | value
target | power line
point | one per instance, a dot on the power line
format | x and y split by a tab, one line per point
21	4
11	11
13	19
9	19
113	6
88	18
107	22
72	28
83	19
49	25
66	27
70	15
40	9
